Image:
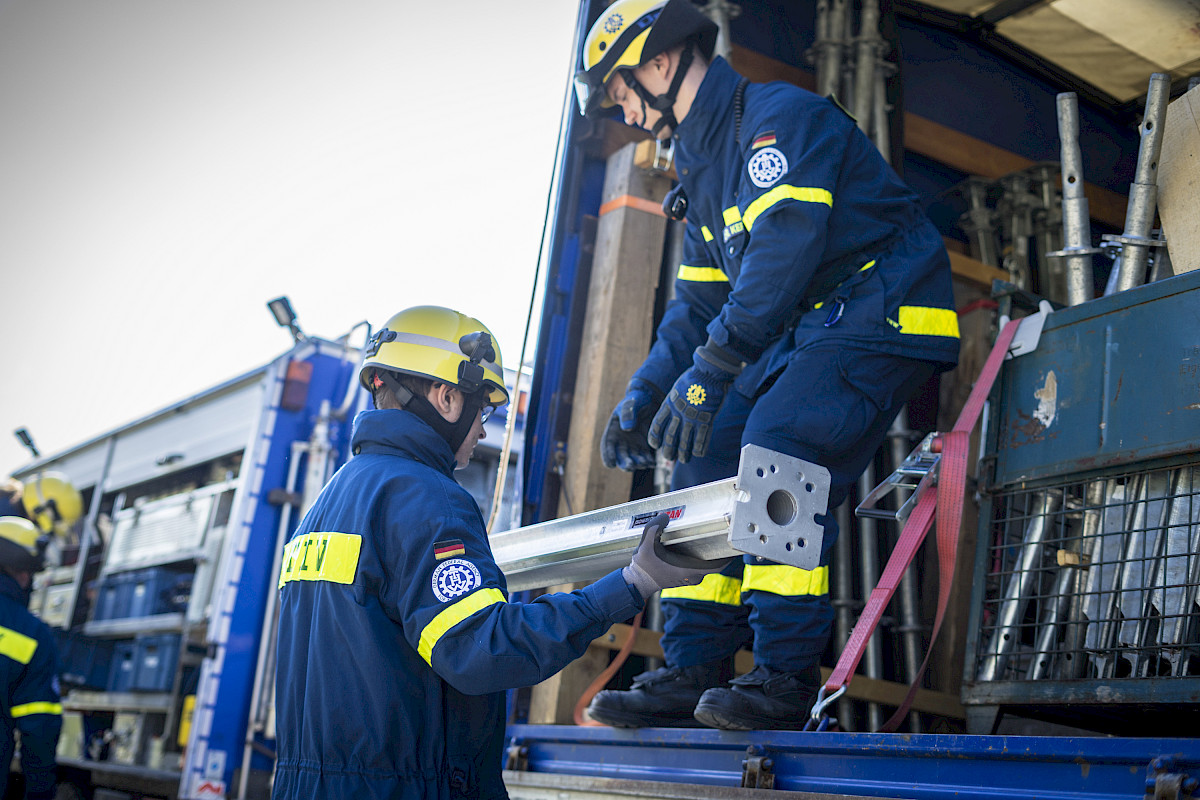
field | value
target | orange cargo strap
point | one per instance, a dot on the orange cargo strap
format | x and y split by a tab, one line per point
632	201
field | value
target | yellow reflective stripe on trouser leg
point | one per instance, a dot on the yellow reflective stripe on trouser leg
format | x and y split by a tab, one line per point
17	646
452	615
702	274
922	321
784	580
28	709
321	556
805	194
714	588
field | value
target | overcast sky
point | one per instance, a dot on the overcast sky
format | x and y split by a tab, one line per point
168	166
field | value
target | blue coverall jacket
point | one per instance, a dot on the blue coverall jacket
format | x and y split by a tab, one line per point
396	640
29	670
795	221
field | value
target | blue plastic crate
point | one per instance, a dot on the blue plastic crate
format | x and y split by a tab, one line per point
113	597
142	593
155	659
84	662
124	667
153	591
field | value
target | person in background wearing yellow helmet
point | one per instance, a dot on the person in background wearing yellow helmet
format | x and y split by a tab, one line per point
28	663
52	503
396	636
813	300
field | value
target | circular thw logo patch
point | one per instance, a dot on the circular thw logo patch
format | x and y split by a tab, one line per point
613	23
766	167
695	394
454	578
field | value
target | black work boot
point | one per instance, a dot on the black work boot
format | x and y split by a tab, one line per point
663	697
762	699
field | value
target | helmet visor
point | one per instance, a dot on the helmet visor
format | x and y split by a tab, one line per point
590	94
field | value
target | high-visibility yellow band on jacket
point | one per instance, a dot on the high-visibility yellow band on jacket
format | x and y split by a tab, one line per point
702	274
17	646
784	580
708	237
731	215
28	709
452	615
928	321
323	556
713	589
805	194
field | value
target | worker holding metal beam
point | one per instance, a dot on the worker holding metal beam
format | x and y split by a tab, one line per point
814	298
396	635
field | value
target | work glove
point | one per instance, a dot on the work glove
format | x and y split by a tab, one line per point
653	567
683	424
624	442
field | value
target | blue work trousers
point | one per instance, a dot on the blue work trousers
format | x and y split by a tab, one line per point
830	406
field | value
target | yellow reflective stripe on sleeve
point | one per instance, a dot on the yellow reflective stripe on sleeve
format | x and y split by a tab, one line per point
784	580
17	646
731	215
713	589
321	556
702	274
805	194
452	615
708	237
919	320
28	709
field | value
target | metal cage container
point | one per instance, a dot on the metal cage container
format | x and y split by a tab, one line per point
1086	603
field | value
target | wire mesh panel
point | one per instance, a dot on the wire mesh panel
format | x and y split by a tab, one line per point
1094	579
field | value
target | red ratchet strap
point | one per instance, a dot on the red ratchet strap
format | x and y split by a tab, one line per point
947	504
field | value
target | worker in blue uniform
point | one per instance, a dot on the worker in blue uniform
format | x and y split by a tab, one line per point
28	663
396	635
814	298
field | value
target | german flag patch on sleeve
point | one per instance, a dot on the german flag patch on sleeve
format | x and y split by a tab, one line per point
448	549
765	140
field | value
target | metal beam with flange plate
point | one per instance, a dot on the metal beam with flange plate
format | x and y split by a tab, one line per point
768	511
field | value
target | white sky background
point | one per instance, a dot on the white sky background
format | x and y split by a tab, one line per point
168	166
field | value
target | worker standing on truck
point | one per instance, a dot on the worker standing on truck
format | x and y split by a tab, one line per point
814	298
396	636
28	663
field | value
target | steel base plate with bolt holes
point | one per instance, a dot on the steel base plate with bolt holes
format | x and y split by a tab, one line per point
779	498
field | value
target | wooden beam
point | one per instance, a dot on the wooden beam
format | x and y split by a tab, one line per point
870	690
616	335
978	272
977	157
618	329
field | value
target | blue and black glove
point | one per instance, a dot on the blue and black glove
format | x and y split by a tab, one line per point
683	424
624	442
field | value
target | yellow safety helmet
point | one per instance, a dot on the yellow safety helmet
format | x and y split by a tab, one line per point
440	344
21	545
52	502
631	32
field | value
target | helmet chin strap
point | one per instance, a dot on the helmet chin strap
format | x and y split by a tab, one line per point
455	433
665	102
